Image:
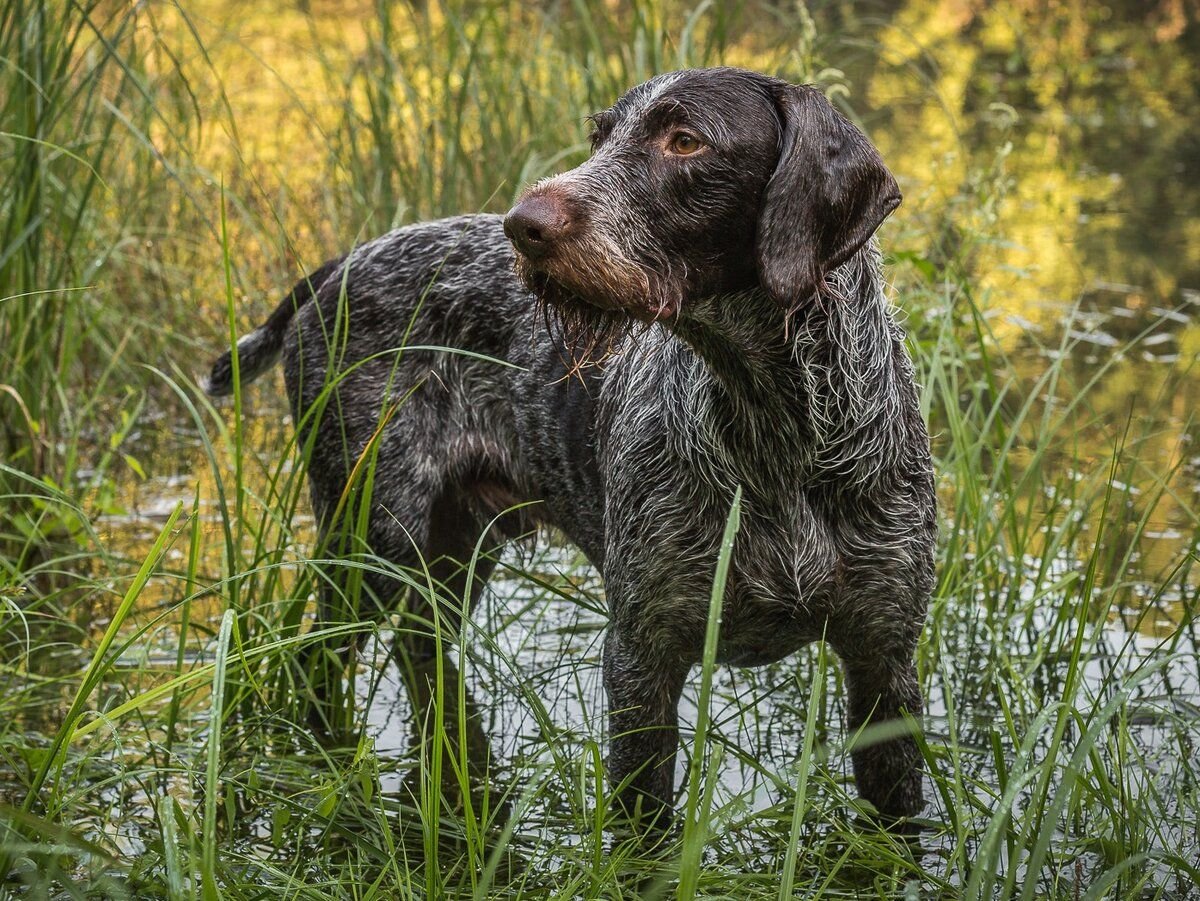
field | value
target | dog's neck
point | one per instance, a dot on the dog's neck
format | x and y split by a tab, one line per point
820	383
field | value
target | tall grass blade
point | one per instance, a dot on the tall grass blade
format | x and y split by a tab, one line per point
698	809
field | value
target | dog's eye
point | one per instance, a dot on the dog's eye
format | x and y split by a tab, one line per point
684	144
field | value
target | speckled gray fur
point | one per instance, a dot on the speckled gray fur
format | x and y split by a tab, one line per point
722	315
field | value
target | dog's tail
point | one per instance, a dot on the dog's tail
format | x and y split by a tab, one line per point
258	351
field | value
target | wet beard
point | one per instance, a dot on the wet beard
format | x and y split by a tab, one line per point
590	334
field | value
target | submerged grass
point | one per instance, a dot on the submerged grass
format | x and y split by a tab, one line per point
153	738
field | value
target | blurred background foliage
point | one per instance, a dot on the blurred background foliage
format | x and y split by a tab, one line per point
1046	152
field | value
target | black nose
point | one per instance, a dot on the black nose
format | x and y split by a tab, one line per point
535	224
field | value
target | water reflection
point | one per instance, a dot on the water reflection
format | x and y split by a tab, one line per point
1102	182
535	661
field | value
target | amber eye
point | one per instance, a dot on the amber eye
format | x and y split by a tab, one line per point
685	144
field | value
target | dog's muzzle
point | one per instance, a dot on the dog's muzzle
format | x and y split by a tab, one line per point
536	224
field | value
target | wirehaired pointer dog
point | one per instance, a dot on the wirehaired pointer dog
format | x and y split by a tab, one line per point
697	307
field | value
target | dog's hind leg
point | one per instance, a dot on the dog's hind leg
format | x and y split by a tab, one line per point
457	559
453	576
371	563
419	558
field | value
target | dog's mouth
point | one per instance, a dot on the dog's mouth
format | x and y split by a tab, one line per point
578	265
567	279
590	291
590	328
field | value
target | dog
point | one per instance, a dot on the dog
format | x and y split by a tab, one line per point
696	308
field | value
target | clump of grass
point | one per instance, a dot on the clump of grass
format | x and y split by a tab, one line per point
72	111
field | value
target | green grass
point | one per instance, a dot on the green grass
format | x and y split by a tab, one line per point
152	710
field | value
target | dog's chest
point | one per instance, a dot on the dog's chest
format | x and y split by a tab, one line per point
783	581
554	418
783	578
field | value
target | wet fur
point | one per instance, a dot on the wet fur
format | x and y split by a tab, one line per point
731	316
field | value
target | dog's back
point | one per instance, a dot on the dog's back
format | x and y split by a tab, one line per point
422	352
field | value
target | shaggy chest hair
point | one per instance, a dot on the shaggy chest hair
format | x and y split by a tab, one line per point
813	418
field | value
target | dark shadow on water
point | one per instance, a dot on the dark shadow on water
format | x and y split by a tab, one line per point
434	686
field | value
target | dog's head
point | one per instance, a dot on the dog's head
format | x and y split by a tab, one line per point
700	182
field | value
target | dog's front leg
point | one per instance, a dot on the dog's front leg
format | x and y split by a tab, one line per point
643	691
884	689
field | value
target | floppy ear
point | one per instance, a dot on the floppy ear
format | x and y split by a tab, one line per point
829	193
